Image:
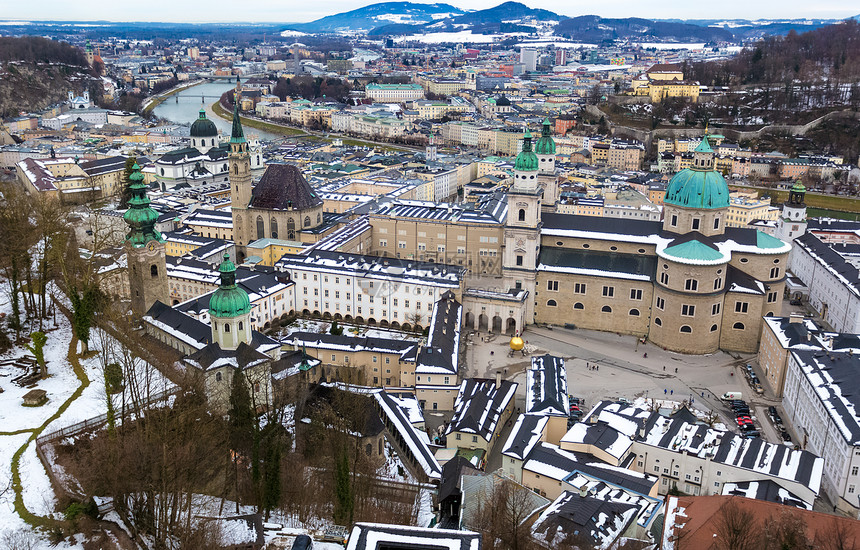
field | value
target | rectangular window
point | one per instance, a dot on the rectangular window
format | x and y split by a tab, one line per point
688	310
774	273
691	284
854	471
718	282
664	278
474	439
715	309
674	220
609	291
635	293
457	437
552	285
579	288
771	297
383	243
695	224
519	260
741	307
716	223
661	303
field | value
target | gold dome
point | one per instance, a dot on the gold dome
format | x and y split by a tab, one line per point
517	343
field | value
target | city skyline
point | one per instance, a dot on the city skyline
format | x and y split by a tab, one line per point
260	11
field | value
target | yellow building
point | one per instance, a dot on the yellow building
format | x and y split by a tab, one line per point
745	208
270	251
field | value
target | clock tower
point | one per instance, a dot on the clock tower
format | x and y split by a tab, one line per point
144	246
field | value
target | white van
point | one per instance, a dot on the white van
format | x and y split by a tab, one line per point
731	395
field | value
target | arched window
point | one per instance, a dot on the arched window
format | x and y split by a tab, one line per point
634	312
551	303
226	327
713	328
153	270
307	221
658	321
606	309
522	216
162	171
578	305
217	376
274	228
738	326
235	168
225	168
260	231
319	218
240	325
291	229
686	328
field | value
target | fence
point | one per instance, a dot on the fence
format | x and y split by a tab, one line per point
98	421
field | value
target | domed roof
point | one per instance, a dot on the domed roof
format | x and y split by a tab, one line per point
694	252
699	186
692	188
502	101
229	300
203	127
527	161
545	144
798	187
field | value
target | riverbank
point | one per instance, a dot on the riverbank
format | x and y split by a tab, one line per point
289	131
156	100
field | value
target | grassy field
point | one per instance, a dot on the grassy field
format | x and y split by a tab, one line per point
813	200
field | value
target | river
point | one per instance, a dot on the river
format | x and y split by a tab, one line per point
184	107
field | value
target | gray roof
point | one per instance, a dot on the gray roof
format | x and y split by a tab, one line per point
479	406
377	536
546	388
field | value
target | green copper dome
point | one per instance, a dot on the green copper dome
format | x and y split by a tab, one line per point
545	144
699	186
527	161
798	187
140	217
229	300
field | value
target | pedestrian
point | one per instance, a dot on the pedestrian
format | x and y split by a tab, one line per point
597	367
676	370
664	368
671	392
665	391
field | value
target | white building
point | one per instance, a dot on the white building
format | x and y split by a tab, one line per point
822	405
394	93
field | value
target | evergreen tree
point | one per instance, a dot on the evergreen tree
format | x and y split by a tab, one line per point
84	305
272	482
126	193
241	414
343	505
335	329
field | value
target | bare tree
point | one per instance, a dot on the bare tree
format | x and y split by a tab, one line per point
735	529
837	536
784	531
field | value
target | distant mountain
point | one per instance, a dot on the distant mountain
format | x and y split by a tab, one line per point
376	15
592	28
507	11
759	28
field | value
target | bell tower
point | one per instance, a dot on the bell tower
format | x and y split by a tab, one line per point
230	310
792	222
240	183
144	246
522	226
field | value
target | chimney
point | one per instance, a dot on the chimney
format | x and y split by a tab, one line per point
498	379
583	492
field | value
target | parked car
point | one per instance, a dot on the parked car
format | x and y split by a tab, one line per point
335	533
751	434
786	437
796	302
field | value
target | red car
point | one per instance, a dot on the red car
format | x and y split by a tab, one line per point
744	420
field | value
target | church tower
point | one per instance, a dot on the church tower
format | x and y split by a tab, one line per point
240	183
147	269
522	227
545	151
230	310
792	222
430	151
89	53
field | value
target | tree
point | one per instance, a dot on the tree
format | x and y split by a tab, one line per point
126	181
84	306
37	348
735	529
335	329
343	506
786	531
837	536
113	378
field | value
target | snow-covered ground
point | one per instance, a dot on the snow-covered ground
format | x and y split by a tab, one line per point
461	36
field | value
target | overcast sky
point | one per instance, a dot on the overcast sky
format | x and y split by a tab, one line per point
296	11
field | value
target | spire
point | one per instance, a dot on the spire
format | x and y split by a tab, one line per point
227	269
237	135
527	141
546	131
140	216
201	114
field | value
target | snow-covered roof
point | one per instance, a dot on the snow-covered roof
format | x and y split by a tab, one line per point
374	536
527	431
417	442
546	387
479	406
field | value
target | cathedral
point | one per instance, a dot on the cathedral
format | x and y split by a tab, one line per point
281	206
